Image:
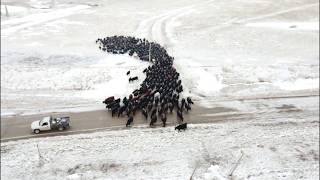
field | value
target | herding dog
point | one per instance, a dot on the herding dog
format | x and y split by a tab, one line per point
181	127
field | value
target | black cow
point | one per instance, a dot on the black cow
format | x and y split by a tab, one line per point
153	120
189	100
133	78
136	92
145	114
114	110
154	111
188	107
113	104
108	100
121	110
161	77
179	115
149	107
171	107
183	102
163	119
117	100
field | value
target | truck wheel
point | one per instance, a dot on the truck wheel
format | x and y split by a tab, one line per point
60	128
36	131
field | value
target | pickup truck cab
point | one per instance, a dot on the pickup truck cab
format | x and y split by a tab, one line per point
50	123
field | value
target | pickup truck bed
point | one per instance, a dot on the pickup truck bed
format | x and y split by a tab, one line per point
63	122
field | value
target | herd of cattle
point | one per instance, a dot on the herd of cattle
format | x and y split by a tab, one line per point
158	94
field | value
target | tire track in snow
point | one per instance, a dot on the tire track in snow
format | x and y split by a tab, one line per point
162	27
155	28
158	28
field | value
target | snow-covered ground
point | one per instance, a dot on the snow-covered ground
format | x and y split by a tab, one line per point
281	143
222	49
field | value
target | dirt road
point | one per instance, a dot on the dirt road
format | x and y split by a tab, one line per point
18	127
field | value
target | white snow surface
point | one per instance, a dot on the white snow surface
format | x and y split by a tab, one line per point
308	26
14	25
259	47
70	72
14	10
281	148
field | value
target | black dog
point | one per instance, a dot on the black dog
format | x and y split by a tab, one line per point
181	127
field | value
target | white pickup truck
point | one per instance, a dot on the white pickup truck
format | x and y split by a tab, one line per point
49	123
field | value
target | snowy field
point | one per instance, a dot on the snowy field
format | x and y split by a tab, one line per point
223	50
276	144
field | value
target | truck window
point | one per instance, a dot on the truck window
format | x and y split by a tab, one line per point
45	124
